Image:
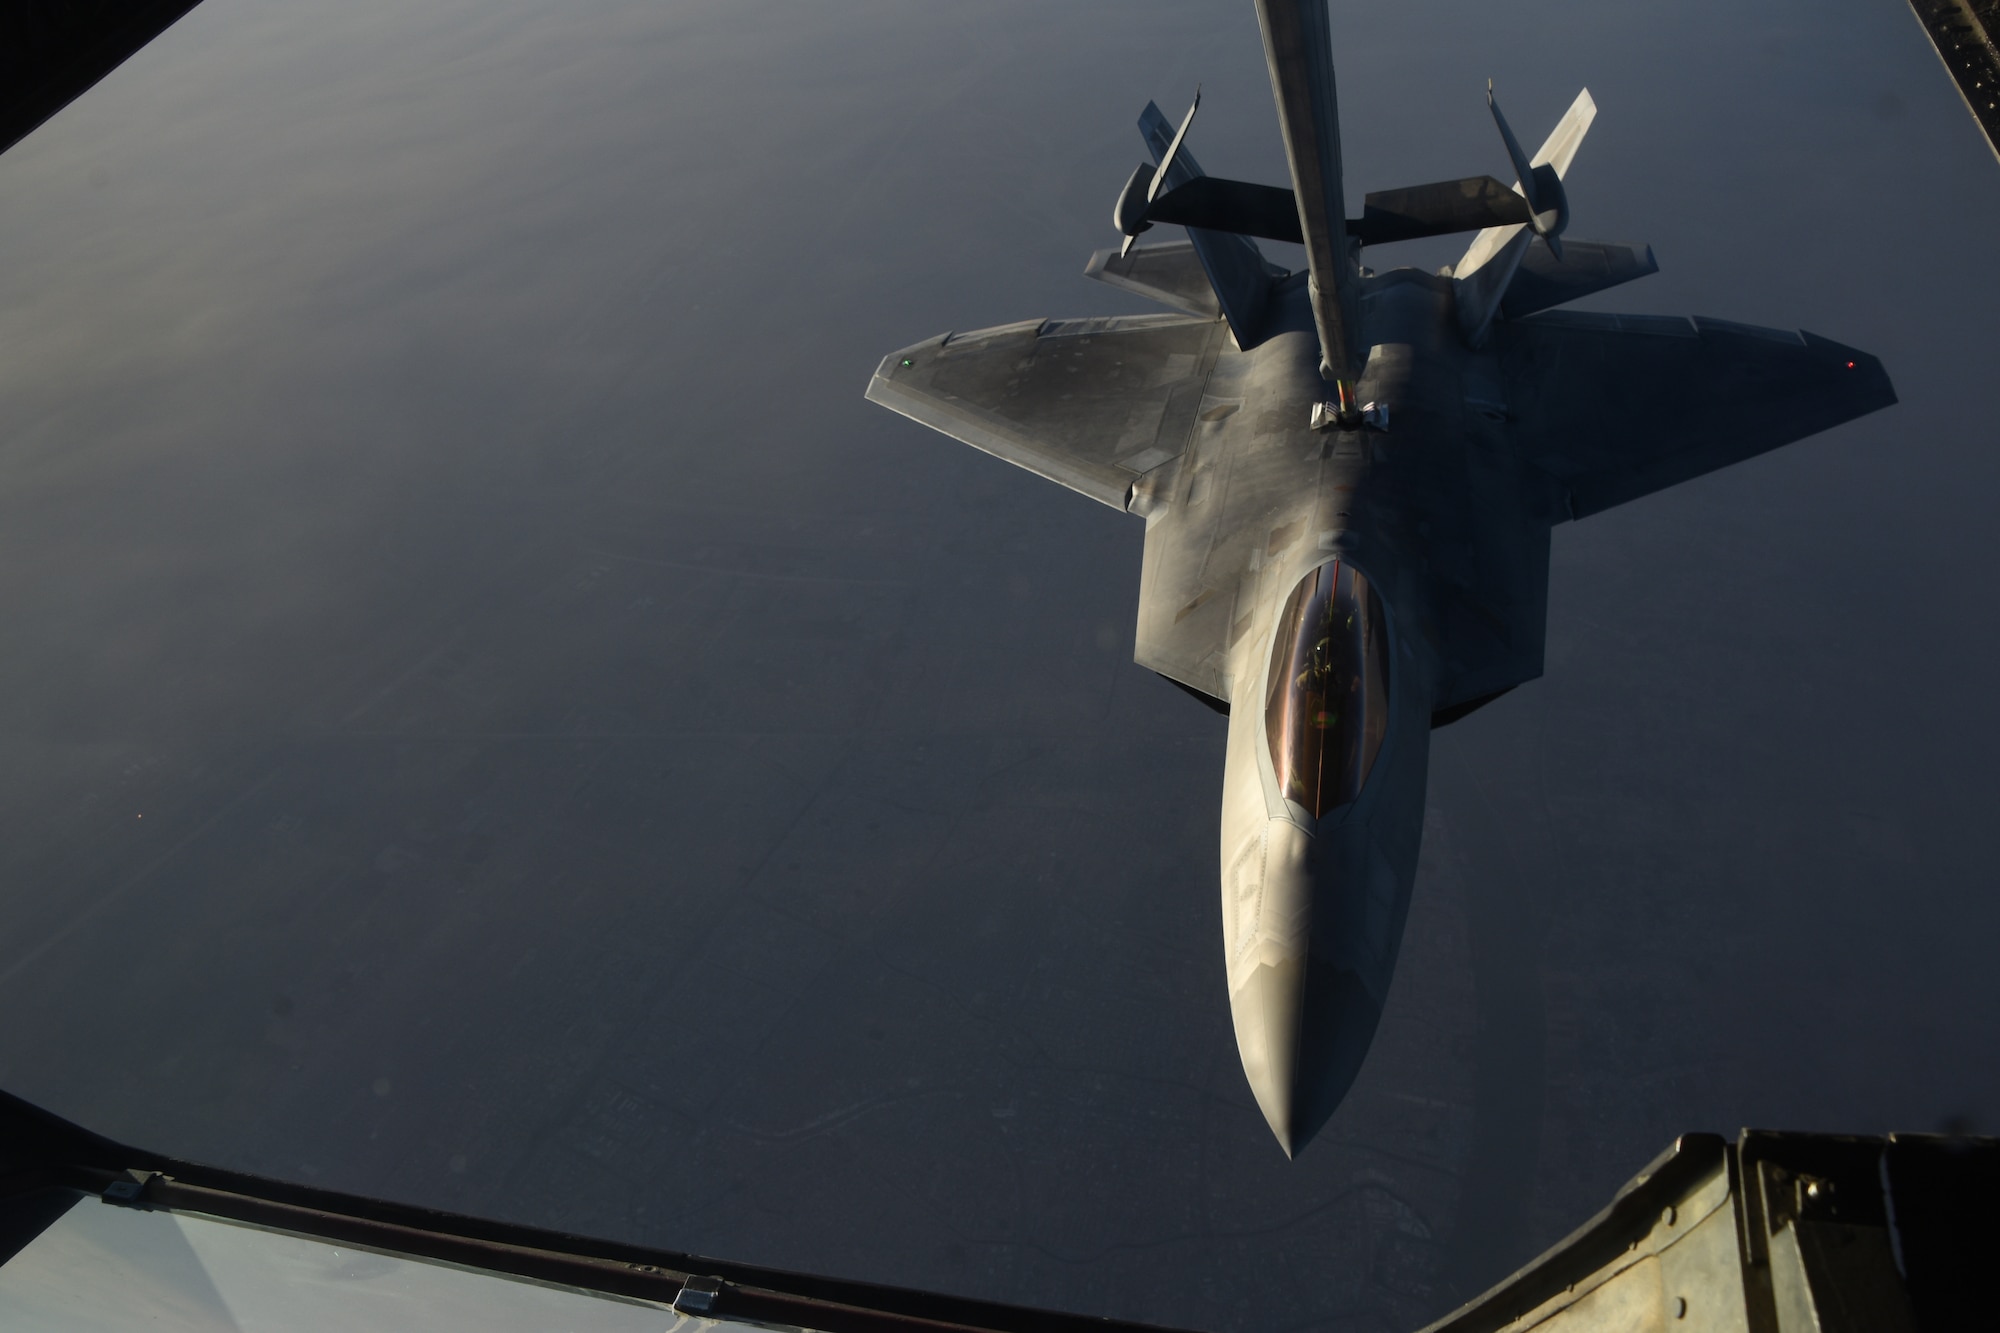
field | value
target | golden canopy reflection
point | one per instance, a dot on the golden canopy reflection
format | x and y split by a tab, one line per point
1327	705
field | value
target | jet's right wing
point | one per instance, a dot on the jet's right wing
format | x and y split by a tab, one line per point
1094	404
1614	407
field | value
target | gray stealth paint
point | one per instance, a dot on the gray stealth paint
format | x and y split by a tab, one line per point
1210	429
657	787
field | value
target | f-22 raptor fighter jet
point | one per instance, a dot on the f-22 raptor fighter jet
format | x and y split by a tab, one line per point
1348	480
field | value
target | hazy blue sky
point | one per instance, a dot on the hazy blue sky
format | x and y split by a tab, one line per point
490	717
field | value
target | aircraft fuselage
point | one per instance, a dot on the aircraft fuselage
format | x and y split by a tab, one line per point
1316	883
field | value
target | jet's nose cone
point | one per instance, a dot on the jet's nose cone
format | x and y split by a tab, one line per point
1321	926
1266	1008
1302	1039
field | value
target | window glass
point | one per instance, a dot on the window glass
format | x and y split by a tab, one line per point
105	1269
1326	707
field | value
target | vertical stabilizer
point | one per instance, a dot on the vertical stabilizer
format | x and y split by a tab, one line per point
1236	268
1298	46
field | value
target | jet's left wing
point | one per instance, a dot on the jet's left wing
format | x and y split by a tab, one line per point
1614	407
1094	404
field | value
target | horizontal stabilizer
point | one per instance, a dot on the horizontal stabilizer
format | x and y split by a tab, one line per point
1613	407
1093	404
1543	281
1170	274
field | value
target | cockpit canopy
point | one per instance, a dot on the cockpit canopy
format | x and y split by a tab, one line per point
1326	708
